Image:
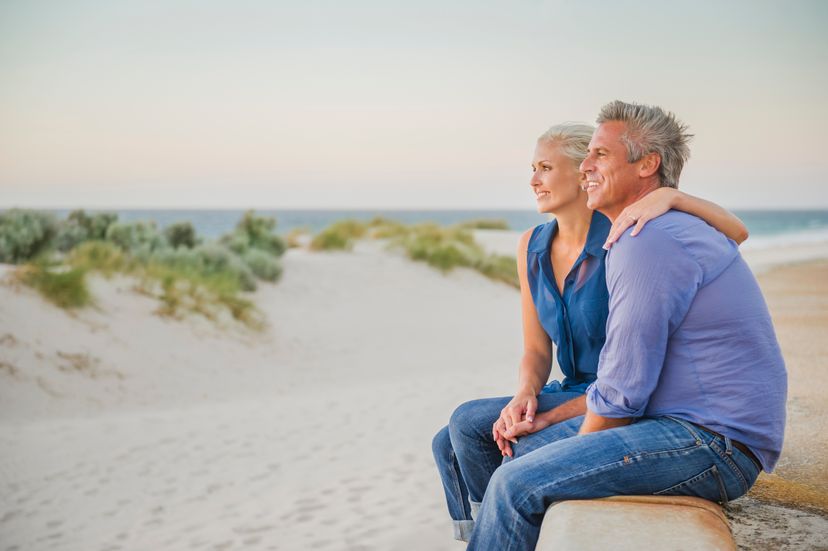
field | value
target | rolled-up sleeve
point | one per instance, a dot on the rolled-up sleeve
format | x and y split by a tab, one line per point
652	280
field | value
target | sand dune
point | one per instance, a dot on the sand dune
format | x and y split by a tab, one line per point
121	429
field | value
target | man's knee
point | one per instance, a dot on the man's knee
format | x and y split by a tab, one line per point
508	482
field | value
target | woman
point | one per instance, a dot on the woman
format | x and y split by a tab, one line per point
564	301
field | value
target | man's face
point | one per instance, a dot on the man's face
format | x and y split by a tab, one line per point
612	181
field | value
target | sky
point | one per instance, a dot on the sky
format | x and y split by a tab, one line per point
386	104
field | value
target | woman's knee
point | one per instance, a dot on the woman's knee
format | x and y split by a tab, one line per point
441	445
476	416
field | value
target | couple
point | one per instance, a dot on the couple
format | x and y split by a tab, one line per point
674	383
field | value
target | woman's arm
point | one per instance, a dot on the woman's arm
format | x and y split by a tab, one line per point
536	363
660	200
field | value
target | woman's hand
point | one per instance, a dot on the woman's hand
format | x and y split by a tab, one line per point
521	409
652	205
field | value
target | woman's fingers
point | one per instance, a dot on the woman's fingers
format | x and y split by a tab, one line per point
639	225
620	225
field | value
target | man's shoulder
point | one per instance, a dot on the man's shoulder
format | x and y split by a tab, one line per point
678	233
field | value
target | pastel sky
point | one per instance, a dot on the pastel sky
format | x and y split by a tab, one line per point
361	104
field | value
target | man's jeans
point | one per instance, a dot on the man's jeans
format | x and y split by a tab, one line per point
661	455
467	456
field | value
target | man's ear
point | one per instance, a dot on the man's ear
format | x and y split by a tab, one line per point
649	165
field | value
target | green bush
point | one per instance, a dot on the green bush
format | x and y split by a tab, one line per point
25	234
338	236
255	232
263	265
64	287
96	225
69	236
79	227
181	234
134	236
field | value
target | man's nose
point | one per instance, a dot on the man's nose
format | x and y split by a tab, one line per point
586	164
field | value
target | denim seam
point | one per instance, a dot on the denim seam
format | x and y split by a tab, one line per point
689	427
456	479
731	464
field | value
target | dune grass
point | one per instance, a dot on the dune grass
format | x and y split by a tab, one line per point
485	224
340	235
62	286
442	247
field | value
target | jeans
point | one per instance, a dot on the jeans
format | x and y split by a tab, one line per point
659	455
467	456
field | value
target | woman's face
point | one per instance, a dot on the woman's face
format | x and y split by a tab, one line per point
555	179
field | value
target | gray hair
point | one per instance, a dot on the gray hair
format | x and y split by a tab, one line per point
573	139
650	129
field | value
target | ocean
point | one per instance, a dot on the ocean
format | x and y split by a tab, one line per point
767	227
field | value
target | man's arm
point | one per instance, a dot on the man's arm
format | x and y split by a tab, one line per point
652	281
594	422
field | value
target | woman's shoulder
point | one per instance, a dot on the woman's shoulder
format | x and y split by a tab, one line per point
536	239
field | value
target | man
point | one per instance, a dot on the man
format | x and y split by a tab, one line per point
690	391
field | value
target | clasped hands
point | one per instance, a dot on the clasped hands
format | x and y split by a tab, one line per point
517	419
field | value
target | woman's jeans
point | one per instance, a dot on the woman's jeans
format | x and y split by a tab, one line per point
659	455
467	455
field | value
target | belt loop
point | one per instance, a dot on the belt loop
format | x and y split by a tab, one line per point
728	445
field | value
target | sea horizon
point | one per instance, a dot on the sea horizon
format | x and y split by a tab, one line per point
768	227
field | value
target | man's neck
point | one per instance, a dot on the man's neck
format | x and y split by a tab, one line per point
613	212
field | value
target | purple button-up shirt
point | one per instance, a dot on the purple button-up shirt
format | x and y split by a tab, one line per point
689	335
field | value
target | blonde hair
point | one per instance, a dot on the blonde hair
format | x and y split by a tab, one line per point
572	137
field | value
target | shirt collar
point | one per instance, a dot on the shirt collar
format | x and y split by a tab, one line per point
598	231
599	228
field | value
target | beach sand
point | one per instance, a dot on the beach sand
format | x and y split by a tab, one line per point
121	429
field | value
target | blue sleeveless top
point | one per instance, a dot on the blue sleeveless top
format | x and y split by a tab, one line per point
575	320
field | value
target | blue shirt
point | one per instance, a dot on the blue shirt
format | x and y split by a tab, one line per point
689	335
575	320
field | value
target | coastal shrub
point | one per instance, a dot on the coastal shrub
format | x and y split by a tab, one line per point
181	234
63	286
68	236
79	227
255	232
486	224
338	236
263	265
214	259
136	237
25	234
95	225
101	256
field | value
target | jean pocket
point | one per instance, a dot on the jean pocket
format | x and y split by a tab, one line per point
708	484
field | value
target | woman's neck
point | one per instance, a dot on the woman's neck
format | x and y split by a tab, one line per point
573	225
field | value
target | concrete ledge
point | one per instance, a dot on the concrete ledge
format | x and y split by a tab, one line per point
636	523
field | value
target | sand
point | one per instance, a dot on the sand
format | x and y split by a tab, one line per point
121	429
